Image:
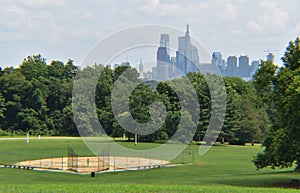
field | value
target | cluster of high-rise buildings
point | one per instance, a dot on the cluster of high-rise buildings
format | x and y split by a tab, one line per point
237	66
187	60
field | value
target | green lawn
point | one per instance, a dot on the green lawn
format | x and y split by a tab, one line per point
222	169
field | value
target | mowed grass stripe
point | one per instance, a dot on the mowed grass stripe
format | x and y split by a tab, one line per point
133	188
223	166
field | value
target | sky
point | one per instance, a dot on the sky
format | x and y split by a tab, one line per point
68	29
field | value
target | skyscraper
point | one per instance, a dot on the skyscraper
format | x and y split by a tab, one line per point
187	58
165	42
244	68
231	69
163	64
218	61
254	67
141	69
271	57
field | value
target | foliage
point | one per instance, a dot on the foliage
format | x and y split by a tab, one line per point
37	98
282	145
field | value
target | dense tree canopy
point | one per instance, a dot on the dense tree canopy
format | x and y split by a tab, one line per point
37	98
282	142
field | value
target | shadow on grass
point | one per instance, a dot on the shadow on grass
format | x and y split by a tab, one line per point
283	179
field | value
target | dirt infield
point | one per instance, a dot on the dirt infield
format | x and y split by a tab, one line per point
95	164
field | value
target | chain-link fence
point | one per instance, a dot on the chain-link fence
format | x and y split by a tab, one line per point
31	161
86	163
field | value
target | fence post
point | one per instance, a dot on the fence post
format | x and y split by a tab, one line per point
103	166
19	159
62	163
40	161
98	164
114	162
76	163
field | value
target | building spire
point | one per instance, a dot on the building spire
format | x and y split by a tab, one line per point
187	28
141	69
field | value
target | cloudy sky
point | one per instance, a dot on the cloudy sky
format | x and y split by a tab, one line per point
62	29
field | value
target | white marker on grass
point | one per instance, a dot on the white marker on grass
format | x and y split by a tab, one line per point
27	138
135	139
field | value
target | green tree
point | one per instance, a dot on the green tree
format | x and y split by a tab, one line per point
282	140
13	89
2	106
247	128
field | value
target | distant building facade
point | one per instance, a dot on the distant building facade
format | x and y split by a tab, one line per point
219	62
271	57
254	66
244	69
231	69
240	67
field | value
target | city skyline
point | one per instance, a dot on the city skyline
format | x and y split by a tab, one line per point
168	66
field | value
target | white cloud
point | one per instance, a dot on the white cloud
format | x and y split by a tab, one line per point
156	8
224	10
17	18
45	3
252	25
296	29
272	17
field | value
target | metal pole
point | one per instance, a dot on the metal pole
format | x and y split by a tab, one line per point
9	158
19	159
103	166
193	156
76	163
98	163
114	162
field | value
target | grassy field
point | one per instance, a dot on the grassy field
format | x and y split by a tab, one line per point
222	169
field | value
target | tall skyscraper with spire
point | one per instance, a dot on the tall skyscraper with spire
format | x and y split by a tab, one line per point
165	42
141	69
187	58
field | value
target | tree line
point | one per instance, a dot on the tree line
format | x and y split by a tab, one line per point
36	98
